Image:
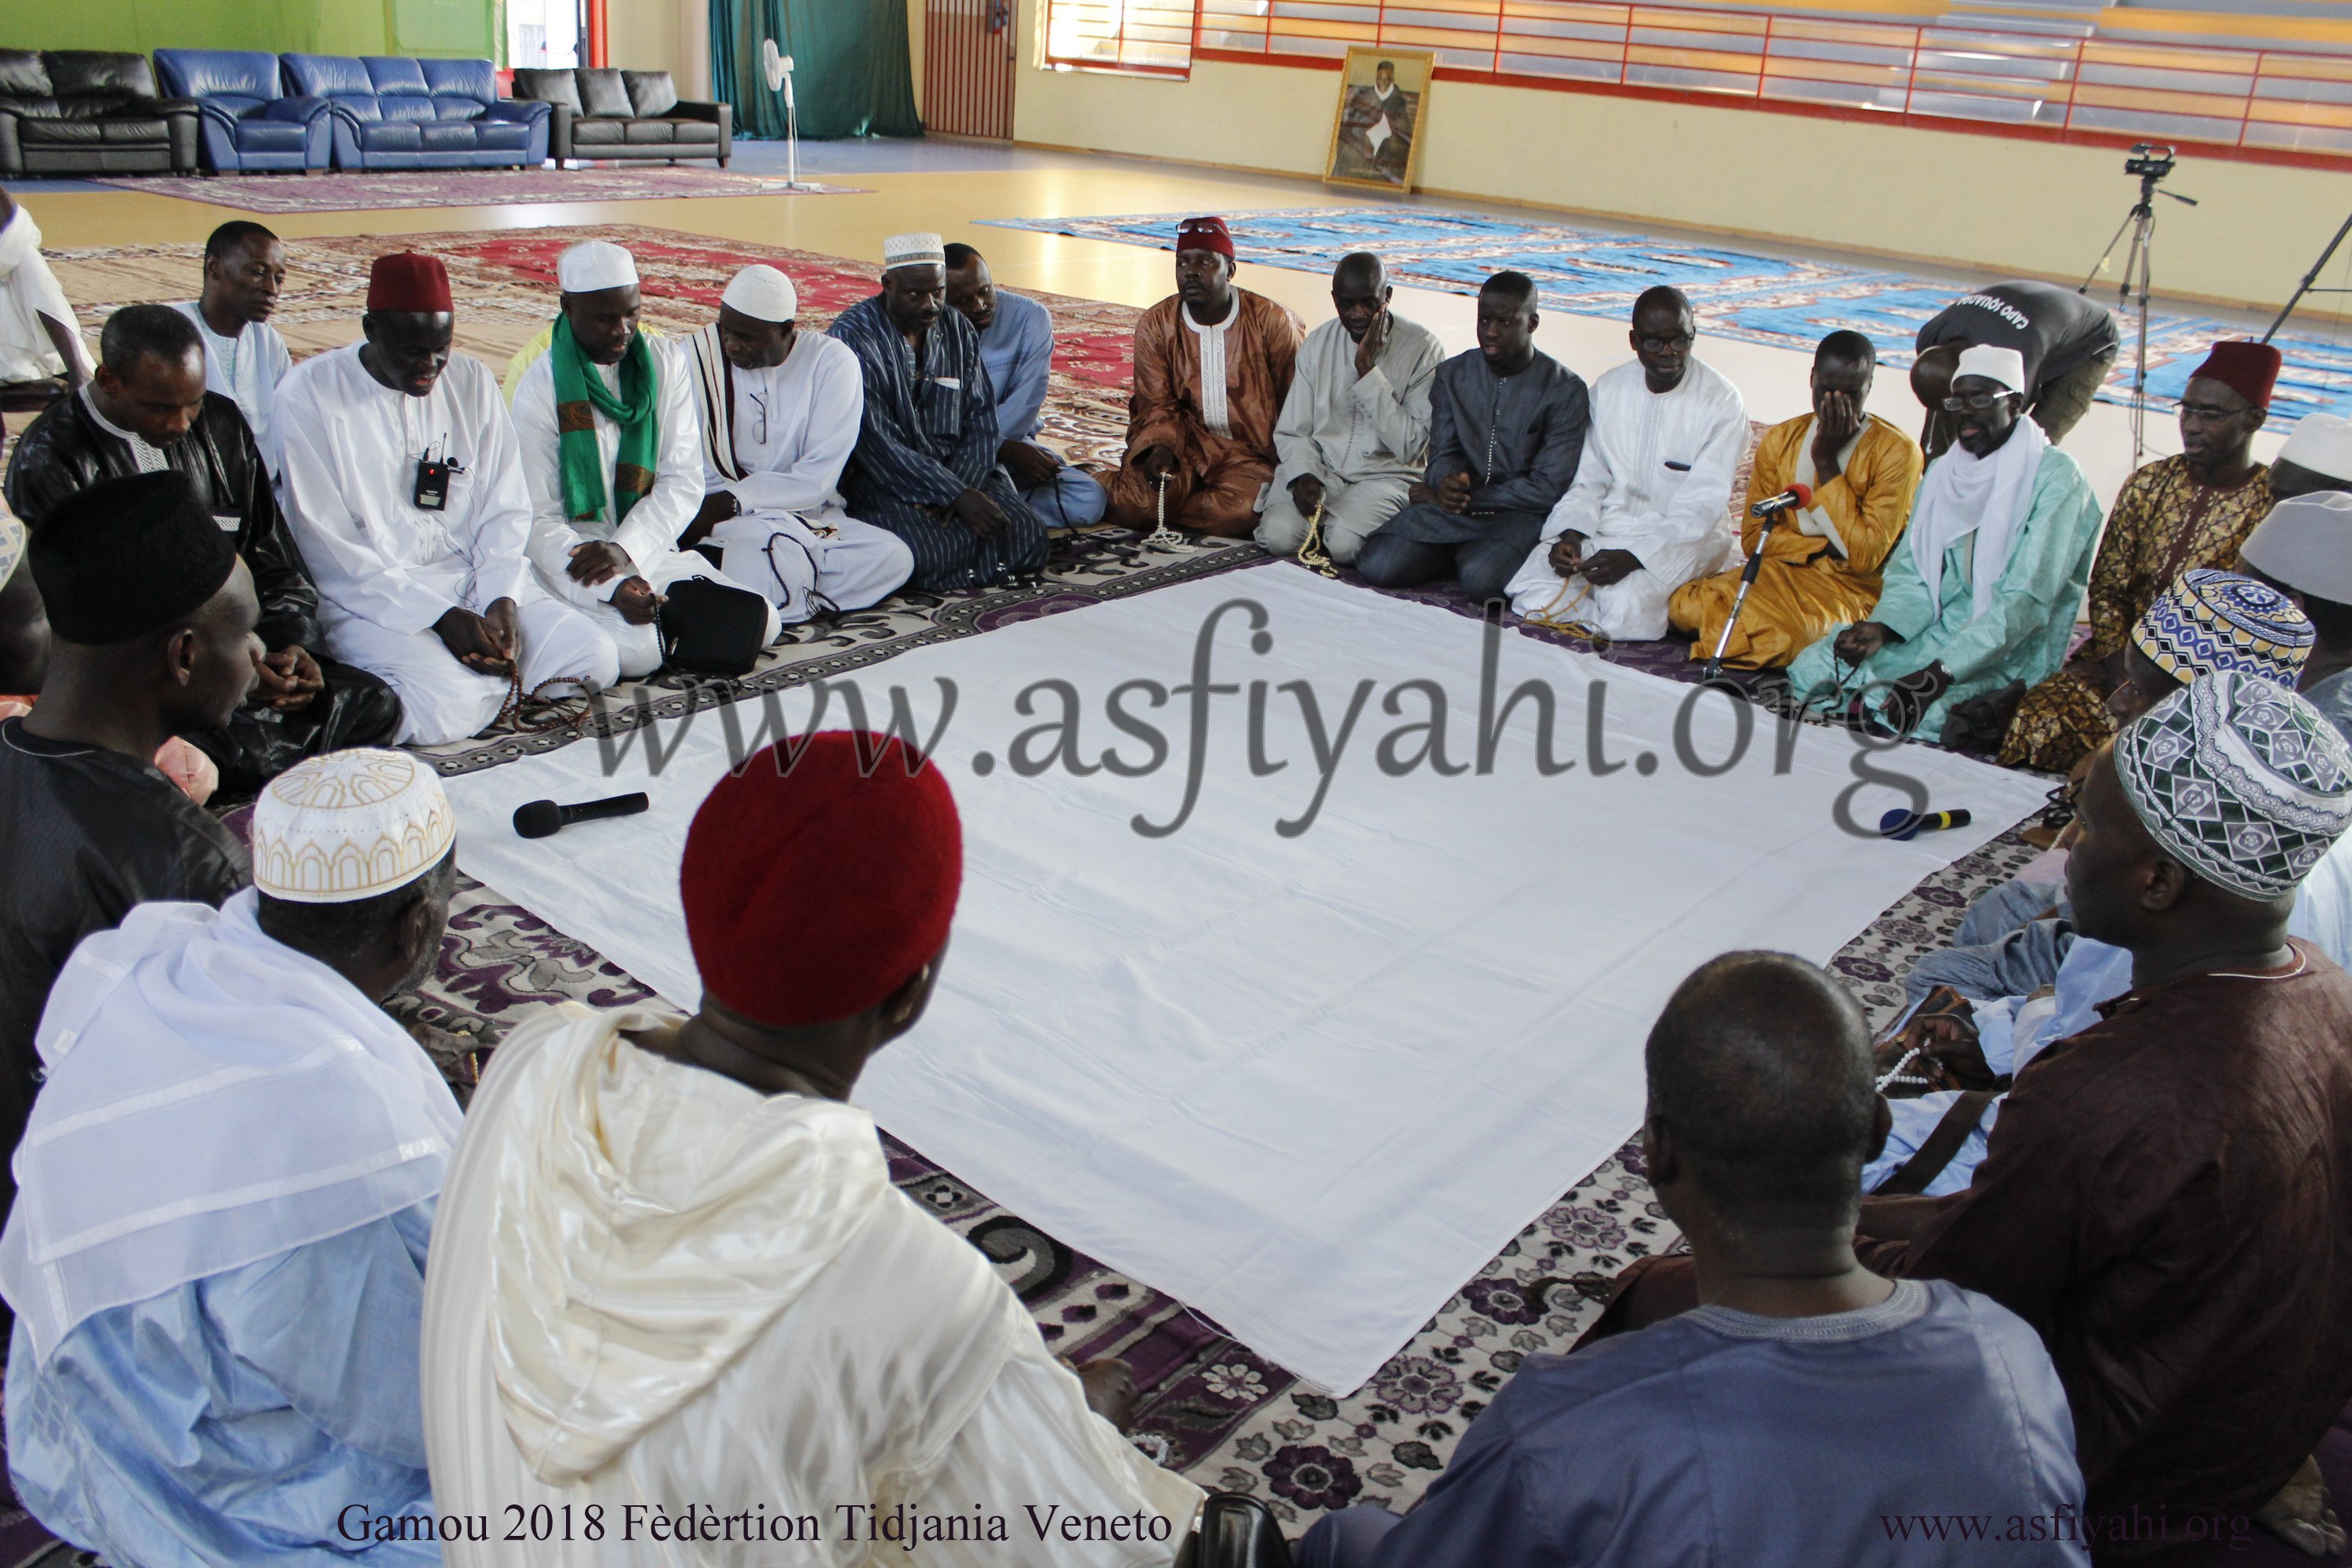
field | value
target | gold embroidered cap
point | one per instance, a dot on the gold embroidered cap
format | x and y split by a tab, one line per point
349	826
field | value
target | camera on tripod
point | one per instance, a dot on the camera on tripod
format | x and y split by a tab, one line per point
2150	160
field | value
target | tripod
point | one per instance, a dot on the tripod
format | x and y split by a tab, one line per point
2139	264
2309	278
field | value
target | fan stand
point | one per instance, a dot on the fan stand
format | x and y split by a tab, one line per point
779	71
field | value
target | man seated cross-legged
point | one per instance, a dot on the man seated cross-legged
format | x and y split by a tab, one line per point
1977	603
217	1258
407	490
611	451
1212	364
669	1267
781	409
1646	512
1820	567
925	465
1016	344
1354	431
1507	425
1807	1406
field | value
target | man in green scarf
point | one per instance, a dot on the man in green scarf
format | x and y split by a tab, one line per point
613	453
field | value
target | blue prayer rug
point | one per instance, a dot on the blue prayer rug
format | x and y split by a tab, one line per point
1789	304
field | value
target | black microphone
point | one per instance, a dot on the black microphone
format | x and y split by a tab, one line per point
540	818
1798	495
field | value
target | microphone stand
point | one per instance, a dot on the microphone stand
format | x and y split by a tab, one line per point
1713	669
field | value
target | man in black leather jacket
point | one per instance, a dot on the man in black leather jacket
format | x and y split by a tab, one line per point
147	408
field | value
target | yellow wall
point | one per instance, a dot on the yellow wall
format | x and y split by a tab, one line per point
1999	203
648	36
914	47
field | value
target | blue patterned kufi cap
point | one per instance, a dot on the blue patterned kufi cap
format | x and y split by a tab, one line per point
2210	621
2239	779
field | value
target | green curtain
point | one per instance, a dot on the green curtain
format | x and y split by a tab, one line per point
852	70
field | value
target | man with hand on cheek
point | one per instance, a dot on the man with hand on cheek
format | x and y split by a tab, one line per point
1821	566
1354	431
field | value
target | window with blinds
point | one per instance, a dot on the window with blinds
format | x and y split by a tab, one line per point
2291	101
1152	37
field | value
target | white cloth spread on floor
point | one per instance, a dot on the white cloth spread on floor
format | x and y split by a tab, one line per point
1308	1084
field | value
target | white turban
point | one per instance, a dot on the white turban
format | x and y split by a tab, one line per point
762	293
593	264
2006	366
349	825
2321	443
914	250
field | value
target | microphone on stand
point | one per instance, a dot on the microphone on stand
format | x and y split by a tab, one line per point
544	818
1769	509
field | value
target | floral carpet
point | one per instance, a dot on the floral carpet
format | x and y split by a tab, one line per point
356	190
1210	1408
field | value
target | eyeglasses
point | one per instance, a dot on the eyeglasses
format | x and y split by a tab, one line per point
1975	402
1660	346
2206	411
760	403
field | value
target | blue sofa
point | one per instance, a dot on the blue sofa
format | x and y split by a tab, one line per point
246	125
391	113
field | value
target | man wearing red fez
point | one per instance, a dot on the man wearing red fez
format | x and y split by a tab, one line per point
405	488
669	1267
1212	364
2173	516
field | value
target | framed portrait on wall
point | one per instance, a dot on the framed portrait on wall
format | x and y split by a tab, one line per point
1383	109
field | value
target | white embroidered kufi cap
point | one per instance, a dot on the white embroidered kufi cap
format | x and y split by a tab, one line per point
2321	443
349	826
595	264
762	294
2006	366
914	250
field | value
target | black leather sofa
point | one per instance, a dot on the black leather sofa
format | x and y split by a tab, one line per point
91	112
626	114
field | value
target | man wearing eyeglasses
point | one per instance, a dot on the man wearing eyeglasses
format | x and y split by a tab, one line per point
1984	592
1647	511
2066	338
2175	515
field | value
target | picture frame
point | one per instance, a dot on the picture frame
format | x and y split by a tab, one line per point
1376	134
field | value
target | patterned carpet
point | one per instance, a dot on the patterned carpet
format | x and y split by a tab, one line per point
1738	294
382	189
1223	1415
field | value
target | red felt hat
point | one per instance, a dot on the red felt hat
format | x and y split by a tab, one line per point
815	889
408	281
2247	368
1205	234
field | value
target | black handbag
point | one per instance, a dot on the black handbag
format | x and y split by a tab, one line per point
712	628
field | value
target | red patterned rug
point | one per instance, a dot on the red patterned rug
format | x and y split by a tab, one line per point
386	188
